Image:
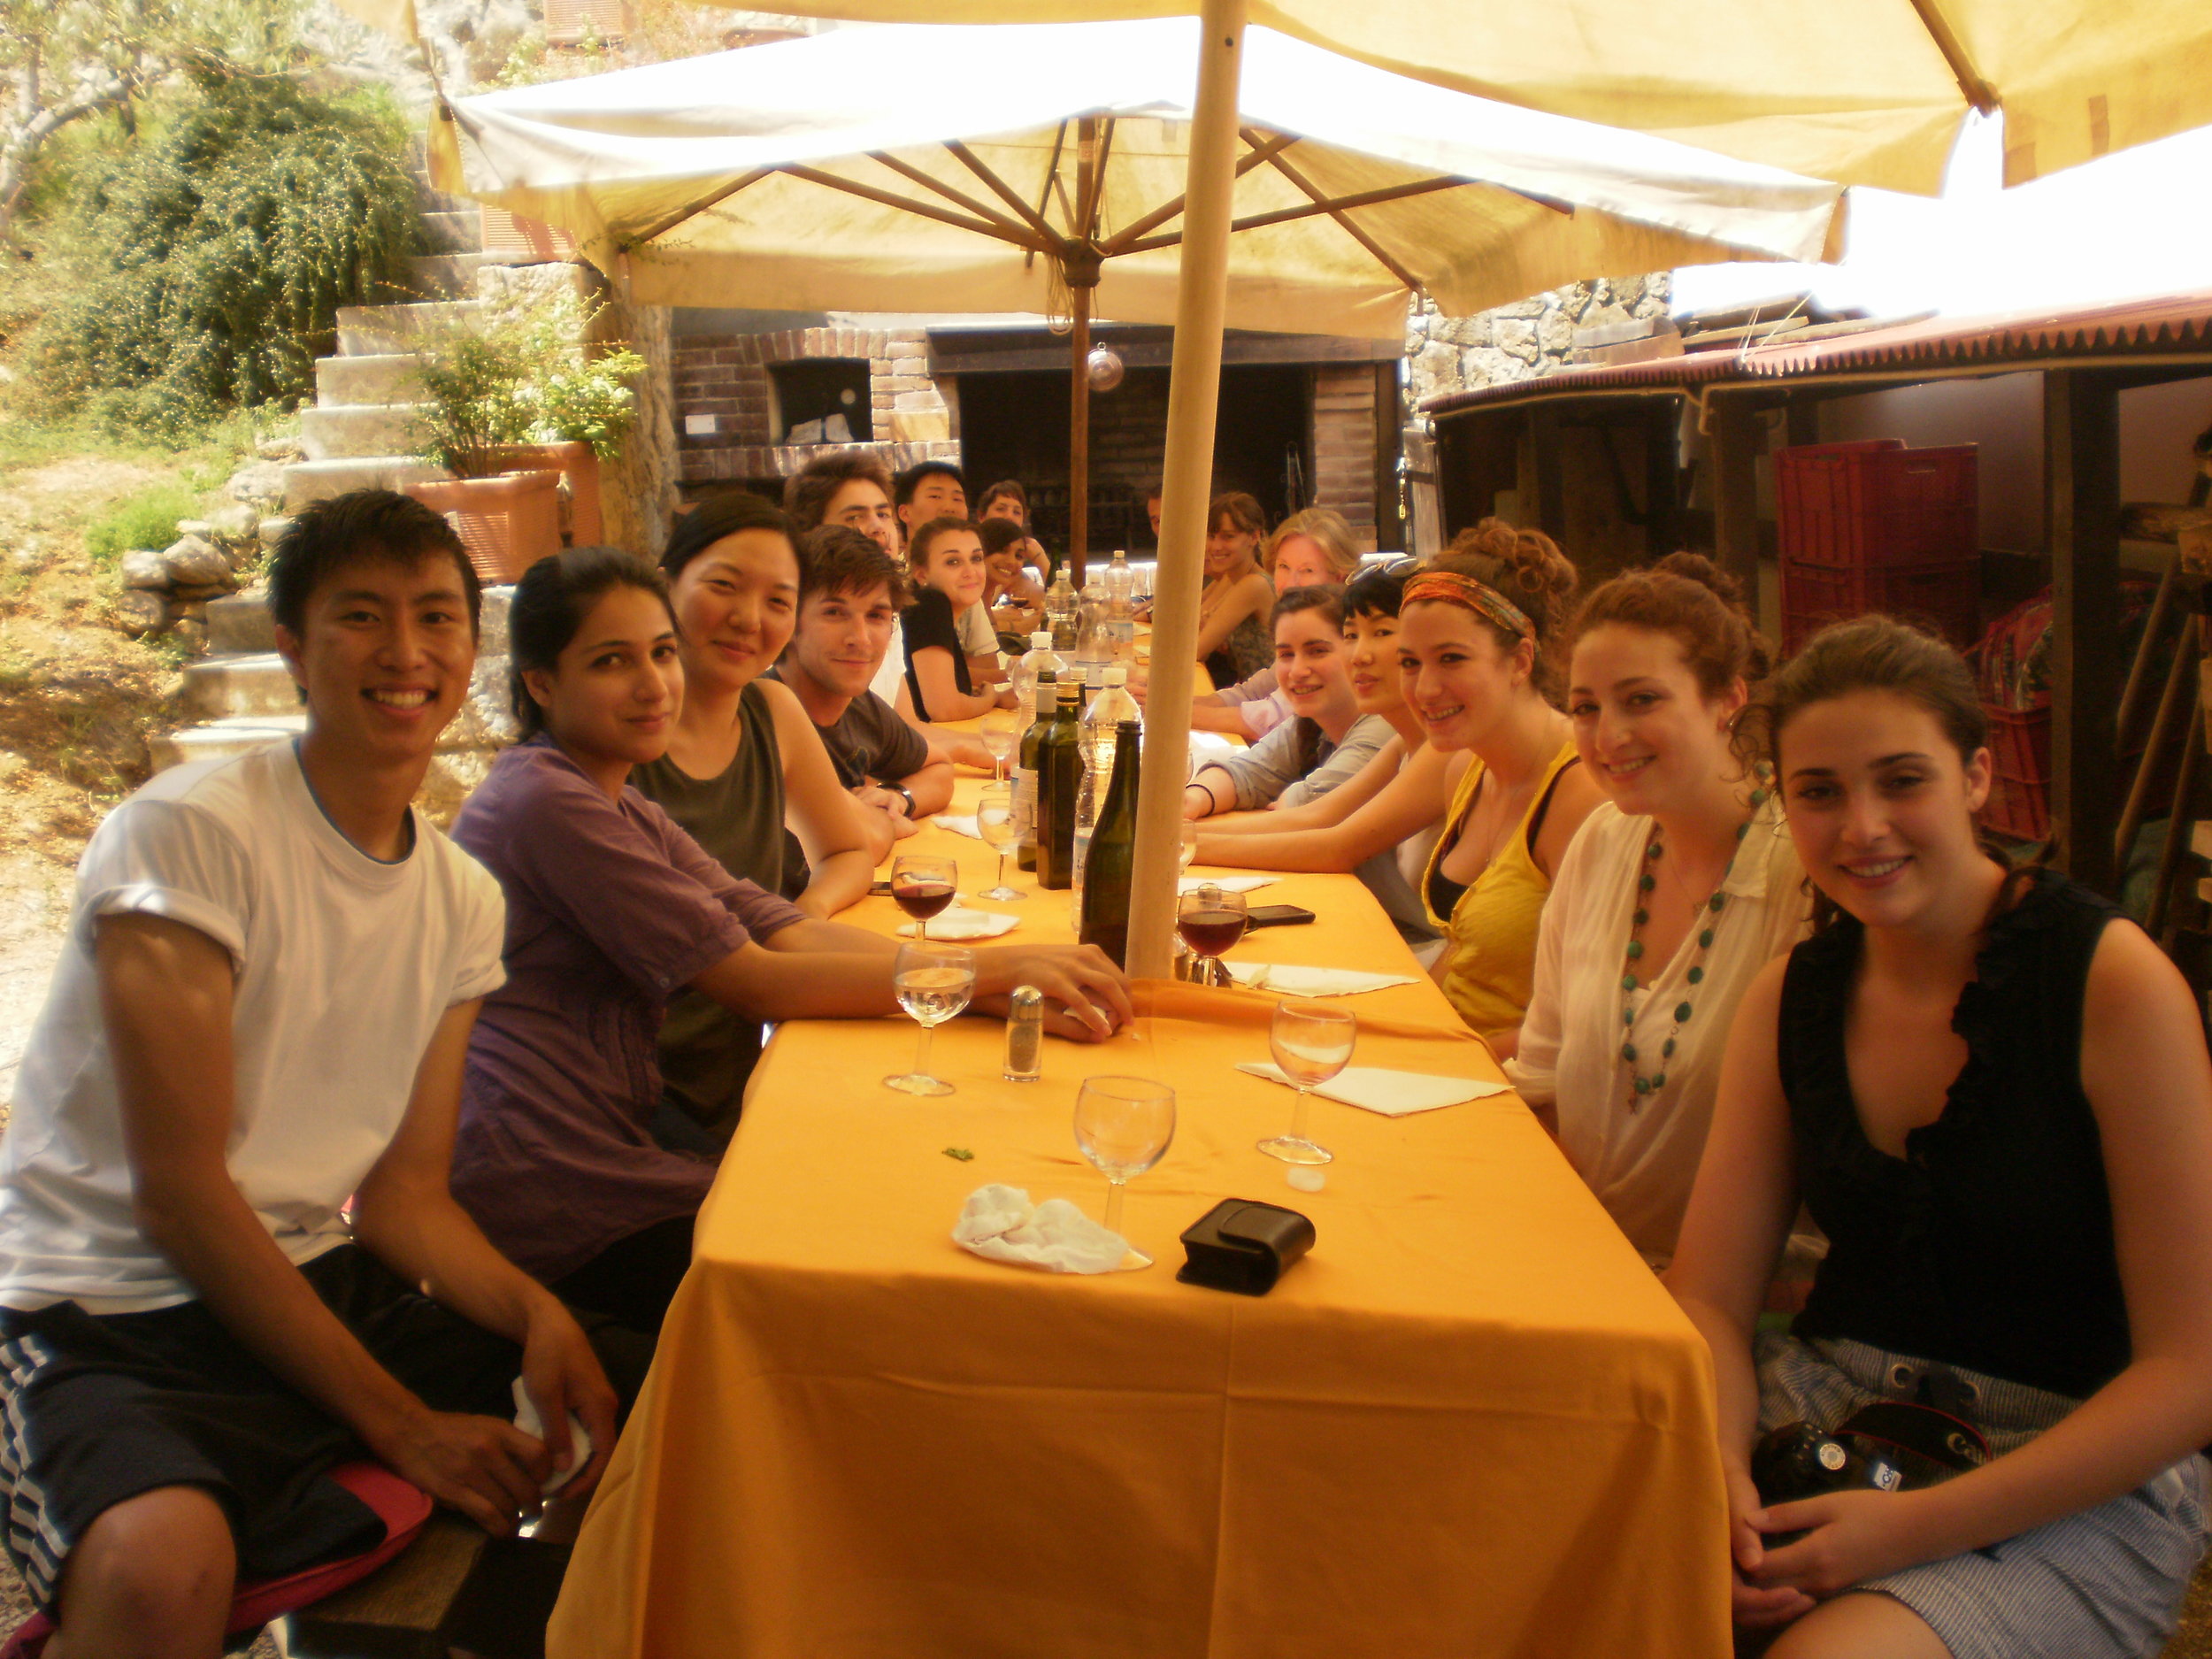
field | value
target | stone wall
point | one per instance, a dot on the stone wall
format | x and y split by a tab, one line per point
1522	340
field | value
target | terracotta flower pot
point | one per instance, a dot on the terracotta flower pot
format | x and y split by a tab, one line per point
579	473
508	523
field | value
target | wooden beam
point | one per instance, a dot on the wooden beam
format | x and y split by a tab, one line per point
1125	239
906	204
1549	508
1738	438
1031	217
1015	231
1390	419
1334	205
2081	470
1315	193
662	226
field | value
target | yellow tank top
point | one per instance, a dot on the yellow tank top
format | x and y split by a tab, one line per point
1490	937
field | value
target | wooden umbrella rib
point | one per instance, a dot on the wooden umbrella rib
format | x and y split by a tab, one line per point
1126	240
661	227
1313	192
1004	191
907	205
1343	204
1978	92
906	170
1098	175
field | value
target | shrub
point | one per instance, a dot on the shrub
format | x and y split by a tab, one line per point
522	375
146	521
220	247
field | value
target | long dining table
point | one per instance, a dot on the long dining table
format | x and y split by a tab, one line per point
1471	1422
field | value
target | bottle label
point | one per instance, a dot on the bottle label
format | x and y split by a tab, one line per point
1024	805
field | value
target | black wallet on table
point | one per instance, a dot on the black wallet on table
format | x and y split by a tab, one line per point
1244	1245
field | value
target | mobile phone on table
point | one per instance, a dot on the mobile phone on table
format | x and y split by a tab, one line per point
1276	916
880	889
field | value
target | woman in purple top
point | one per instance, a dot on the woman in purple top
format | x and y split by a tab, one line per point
611	908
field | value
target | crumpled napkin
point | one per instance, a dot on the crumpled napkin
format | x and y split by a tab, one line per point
1298	979
530	1423
958	921
958	825
1393	1093
1227	884
1000	1223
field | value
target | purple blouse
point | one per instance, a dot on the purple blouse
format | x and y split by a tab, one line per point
611	910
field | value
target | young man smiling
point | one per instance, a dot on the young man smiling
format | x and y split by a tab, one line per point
850	600
228	1258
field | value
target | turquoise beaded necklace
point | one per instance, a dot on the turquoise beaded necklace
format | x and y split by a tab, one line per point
1643	1088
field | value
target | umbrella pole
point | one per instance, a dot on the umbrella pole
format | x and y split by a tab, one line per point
1194	391
1079	433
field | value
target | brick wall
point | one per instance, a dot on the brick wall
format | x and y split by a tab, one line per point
1344	445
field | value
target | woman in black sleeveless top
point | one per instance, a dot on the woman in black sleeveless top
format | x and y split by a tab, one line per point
1993	1095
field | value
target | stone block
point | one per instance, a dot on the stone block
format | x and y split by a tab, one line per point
1517	338
1488	365
1528	310
237	523
270	531
144	570
259	484
138	612
195	563
1556	333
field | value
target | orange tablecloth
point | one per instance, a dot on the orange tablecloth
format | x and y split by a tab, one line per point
1471	1422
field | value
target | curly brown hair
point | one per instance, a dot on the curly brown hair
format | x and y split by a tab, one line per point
1692	600
1527	567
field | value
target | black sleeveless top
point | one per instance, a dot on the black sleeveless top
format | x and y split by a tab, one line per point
1989	1245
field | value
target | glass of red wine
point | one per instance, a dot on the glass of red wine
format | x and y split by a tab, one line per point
1210	919
923	886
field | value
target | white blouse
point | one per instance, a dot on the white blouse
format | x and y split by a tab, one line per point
1641	1163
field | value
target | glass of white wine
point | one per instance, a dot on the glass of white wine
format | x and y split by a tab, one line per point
1311	1043
1002	832
999	738
1123	1125
934	984
1186	844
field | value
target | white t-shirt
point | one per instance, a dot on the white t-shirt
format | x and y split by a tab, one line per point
979	637
891	672
1640	1163
344	966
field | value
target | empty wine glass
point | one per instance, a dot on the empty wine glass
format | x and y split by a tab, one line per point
1002	832
999	738
1123	1125
933	983
1186	843
1311	1043
923	884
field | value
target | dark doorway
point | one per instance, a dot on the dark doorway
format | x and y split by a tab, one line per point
1016	426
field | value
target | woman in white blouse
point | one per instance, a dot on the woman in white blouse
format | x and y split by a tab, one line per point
1674	894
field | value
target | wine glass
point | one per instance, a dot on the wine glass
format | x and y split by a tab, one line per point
933	983
1186	843
1123	1125
1002	832
923	884
1311	1043
1210	921
999	738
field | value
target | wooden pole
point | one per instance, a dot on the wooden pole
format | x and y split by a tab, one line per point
1194	391
2081	471
1737	440
2181	681
1080	433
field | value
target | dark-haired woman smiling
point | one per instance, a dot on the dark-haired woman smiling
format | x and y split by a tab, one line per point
611	910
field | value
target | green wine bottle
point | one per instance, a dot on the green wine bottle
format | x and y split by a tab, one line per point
1025	771
1108	868
1059	778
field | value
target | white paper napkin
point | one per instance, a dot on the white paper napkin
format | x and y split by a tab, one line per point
958	825
1213	743
1227	884
1293	980
958	921
530	1423
1000	1223
1393	1093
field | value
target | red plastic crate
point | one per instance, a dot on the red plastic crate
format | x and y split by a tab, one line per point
1947	597
1877	503
2019	803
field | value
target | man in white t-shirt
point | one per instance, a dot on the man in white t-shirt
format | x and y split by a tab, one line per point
228	1258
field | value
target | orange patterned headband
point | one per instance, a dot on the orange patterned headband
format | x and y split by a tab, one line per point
1479	597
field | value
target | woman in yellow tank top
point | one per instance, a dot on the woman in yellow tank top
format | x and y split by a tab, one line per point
1474	632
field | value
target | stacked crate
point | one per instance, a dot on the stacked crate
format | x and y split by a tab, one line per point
1876	526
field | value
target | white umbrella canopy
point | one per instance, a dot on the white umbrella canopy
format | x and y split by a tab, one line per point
847	172
1868	92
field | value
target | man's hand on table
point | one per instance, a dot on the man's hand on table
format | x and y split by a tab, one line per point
892	804
1087	997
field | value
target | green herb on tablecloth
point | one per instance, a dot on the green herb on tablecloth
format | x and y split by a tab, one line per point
962	1152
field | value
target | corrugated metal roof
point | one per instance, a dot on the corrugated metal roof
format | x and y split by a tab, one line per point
2166	323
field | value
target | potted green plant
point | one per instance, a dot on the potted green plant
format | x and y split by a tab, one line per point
516	405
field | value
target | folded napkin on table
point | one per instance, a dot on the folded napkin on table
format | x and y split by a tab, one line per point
1000	1223
1393	1093
1213	742
1297	980
1227	884
958	825
958	921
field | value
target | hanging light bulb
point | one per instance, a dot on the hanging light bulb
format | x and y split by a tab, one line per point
1104	369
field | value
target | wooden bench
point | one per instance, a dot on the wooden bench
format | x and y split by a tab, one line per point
453	1591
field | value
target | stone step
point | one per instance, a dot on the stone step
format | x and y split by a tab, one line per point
445	276
239	686
224	739
345	431
240	624
378	330
319	481
380	378
461	231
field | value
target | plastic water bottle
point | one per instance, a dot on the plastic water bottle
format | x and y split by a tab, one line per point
1022	675
1062	612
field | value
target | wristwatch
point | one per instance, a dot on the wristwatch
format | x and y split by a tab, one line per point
903	794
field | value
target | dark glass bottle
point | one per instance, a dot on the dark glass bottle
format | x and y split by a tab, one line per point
1111	861
1059	779
1025	769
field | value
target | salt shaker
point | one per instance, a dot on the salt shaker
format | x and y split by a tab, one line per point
1025	1034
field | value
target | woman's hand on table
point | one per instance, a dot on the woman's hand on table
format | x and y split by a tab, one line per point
1087	997
1754	1605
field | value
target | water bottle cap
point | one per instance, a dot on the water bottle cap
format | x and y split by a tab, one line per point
1117	675
1041	640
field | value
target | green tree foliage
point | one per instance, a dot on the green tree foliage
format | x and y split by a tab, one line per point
219	248
523	375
